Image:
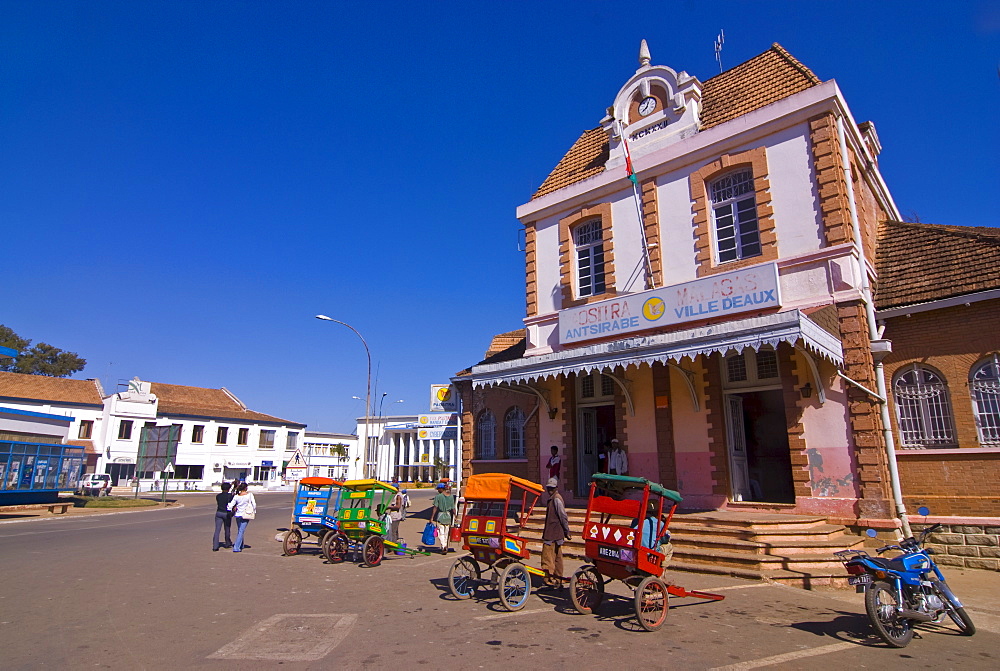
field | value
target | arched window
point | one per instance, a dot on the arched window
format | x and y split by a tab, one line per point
923	408
734	210
985	386
513	424
589	240
486	436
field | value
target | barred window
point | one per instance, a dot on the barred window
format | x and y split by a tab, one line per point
734	209
589	239
514	433
985	386
486	432
923	408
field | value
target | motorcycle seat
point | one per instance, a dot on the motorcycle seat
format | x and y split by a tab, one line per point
888	564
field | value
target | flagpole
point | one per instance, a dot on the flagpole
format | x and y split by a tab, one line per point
647	264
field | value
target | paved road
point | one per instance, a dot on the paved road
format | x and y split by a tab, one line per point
143	590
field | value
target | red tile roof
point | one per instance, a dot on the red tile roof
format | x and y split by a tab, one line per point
762	80
50	389
918	263
175	399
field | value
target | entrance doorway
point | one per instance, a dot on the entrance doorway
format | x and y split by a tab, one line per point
760	463
596	426
121	474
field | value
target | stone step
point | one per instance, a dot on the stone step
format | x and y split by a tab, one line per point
824	532
795	546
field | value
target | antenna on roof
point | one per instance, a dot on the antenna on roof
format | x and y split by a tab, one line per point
719	41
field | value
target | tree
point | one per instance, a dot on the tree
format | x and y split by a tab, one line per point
42	359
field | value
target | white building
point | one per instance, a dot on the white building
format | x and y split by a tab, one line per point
217	437
332	455
408	447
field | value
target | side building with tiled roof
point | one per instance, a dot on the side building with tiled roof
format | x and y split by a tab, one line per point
698	276
212	435
938	300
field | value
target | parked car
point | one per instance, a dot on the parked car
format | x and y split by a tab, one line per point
94	484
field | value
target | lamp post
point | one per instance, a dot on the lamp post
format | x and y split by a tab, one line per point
368	395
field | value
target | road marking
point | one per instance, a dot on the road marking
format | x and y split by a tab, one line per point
500	616
787	657
290	638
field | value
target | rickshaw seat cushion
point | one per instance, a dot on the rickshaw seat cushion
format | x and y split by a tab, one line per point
624	507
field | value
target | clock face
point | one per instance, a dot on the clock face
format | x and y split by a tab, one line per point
647	106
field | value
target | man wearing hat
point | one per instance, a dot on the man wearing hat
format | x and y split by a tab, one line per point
554	534
443	514
618	459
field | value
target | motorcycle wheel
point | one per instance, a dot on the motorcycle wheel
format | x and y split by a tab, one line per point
958	615
880	604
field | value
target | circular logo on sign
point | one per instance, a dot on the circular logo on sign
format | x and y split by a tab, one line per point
422	433
443	394
653	308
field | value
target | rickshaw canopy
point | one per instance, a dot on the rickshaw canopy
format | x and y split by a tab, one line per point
620	483
366	485
320	482
496	486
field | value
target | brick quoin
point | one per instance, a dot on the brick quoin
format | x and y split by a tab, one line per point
665	448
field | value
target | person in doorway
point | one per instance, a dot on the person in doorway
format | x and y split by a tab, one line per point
555	463
443	514
554	534
618	459
223	518
244	507
602	456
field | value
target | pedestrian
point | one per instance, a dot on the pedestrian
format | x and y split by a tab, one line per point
223	518
554	534
443	514
618	459
555	463
395	516
244	507
406	504
602	456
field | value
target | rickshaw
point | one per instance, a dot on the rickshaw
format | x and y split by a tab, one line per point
626	524
491	501
314	513
360	525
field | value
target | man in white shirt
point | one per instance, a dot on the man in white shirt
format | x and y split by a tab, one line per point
618	459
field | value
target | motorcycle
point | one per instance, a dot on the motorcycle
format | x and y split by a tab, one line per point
905	590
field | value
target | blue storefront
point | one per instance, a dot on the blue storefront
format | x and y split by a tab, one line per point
35	465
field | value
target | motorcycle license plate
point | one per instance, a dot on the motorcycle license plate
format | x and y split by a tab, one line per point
862	579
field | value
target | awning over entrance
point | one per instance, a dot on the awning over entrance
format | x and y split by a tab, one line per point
791	327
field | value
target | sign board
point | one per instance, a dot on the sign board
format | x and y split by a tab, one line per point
718	296
297	461
169	468
425	458
441	419
443	398
438	432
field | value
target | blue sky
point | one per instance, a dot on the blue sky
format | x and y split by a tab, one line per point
184	185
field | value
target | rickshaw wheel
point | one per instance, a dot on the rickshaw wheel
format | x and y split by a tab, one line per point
335	547
292	542
586	590
651	603
463	578
514	586
373	550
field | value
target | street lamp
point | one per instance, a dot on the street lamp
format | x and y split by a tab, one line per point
368	396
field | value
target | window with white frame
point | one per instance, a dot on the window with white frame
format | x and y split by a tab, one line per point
734	211
266	439
595	386
125	429
752	368
513	424
86	428
589	240
985	386
486	436
923	408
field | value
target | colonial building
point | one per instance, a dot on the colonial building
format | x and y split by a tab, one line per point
698	274
939	301
212	435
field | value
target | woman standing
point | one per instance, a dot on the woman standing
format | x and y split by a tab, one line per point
244	507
